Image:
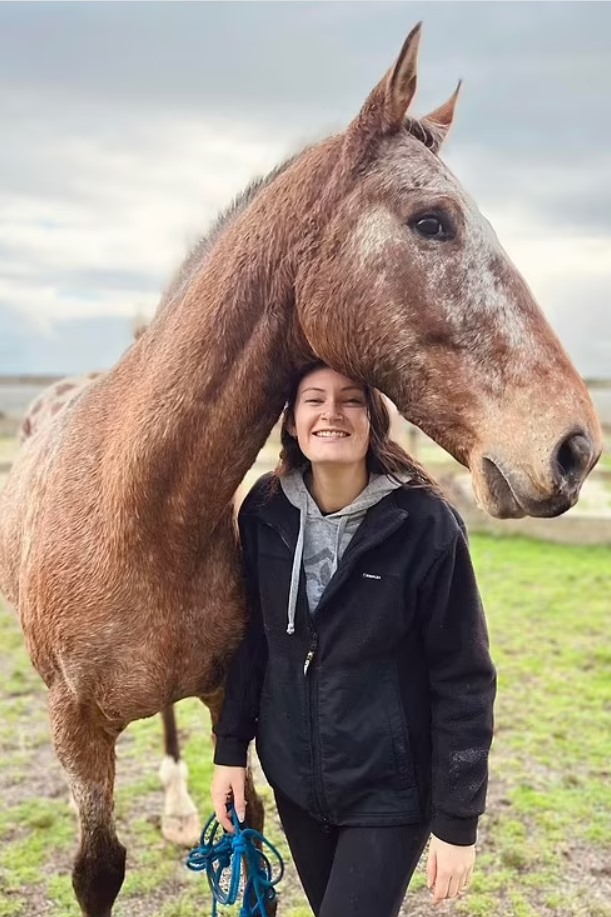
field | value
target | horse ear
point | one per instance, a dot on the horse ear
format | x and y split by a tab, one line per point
440	120
386	108
401	80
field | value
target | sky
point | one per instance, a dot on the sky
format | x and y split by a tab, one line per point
127	126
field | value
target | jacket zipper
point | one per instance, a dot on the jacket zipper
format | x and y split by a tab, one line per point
312	686
319	793
311	652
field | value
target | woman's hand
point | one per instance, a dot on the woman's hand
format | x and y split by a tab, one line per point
228	786
449	869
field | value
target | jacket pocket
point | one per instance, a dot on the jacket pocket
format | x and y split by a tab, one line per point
364	743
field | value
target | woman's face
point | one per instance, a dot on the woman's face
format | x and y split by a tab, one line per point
331	423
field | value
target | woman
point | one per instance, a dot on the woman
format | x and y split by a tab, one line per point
364	672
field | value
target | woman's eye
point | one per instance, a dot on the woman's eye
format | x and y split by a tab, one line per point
436	226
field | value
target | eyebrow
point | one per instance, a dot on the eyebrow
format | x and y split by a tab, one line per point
346	388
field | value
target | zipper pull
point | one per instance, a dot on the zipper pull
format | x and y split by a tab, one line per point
311	652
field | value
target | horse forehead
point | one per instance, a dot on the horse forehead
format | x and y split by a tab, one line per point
409	164
406	166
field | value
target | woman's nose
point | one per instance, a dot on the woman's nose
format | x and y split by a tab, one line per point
331	412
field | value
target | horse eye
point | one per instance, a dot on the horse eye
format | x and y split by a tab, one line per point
435	226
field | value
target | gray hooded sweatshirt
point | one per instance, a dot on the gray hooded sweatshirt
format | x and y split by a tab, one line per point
323	538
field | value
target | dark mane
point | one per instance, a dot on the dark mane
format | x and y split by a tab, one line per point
423	131
223	221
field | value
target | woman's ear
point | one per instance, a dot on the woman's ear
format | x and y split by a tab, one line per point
289	424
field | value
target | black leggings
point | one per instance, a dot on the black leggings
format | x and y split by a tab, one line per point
351	871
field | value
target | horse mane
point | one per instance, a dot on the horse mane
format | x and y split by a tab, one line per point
427	132
223	221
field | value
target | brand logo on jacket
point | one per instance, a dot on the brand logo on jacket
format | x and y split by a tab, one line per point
371	576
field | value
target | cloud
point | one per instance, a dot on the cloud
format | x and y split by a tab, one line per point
127	127
552	197
106	234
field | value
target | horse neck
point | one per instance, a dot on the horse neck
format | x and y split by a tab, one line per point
209	376
205	385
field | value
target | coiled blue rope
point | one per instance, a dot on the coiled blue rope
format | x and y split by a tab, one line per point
233	860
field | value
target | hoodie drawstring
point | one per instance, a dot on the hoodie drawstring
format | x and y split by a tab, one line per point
296	571
297	560
344	522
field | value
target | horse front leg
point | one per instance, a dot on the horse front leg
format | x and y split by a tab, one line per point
85	746
180	822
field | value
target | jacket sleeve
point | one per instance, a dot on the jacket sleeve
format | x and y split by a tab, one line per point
462	682
237	722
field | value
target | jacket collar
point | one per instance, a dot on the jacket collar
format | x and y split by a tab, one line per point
380	521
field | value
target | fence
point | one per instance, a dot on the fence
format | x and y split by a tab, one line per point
578	526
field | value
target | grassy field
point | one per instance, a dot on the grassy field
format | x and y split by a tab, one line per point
545	841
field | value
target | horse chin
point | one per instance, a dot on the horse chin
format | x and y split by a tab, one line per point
504	499
495	495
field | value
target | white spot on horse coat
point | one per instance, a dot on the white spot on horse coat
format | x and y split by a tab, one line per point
374	231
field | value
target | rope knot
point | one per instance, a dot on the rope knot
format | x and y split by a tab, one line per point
224	859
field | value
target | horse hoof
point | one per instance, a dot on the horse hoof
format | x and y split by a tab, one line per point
184	830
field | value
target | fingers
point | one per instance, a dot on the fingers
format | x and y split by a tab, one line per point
431	868
448	886
238	800
220	810
440	889
228	787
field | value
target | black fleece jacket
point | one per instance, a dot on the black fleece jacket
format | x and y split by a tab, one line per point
378	710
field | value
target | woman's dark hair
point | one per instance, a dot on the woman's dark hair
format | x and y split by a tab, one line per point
384	455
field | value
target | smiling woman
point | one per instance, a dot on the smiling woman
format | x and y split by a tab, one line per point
335	423
365	632
331	425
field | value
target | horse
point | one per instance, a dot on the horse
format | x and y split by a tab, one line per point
118	548
180	822
51	401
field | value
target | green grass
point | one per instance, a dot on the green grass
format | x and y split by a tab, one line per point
548	610
544	841
605	460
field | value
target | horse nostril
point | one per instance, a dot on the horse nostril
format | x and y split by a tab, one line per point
573	457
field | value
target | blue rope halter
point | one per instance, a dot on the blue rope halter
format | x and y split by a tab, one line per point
224	870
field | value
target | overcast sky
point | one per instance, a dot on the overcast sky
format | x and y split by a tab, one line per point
127	126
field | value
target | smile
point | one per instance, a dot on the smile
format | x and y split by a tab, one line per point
331	434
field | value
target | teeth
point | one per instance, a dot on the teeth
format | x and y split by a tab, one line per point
331	433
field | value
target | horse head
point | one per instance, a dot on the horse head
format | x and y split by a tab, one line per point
407	286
